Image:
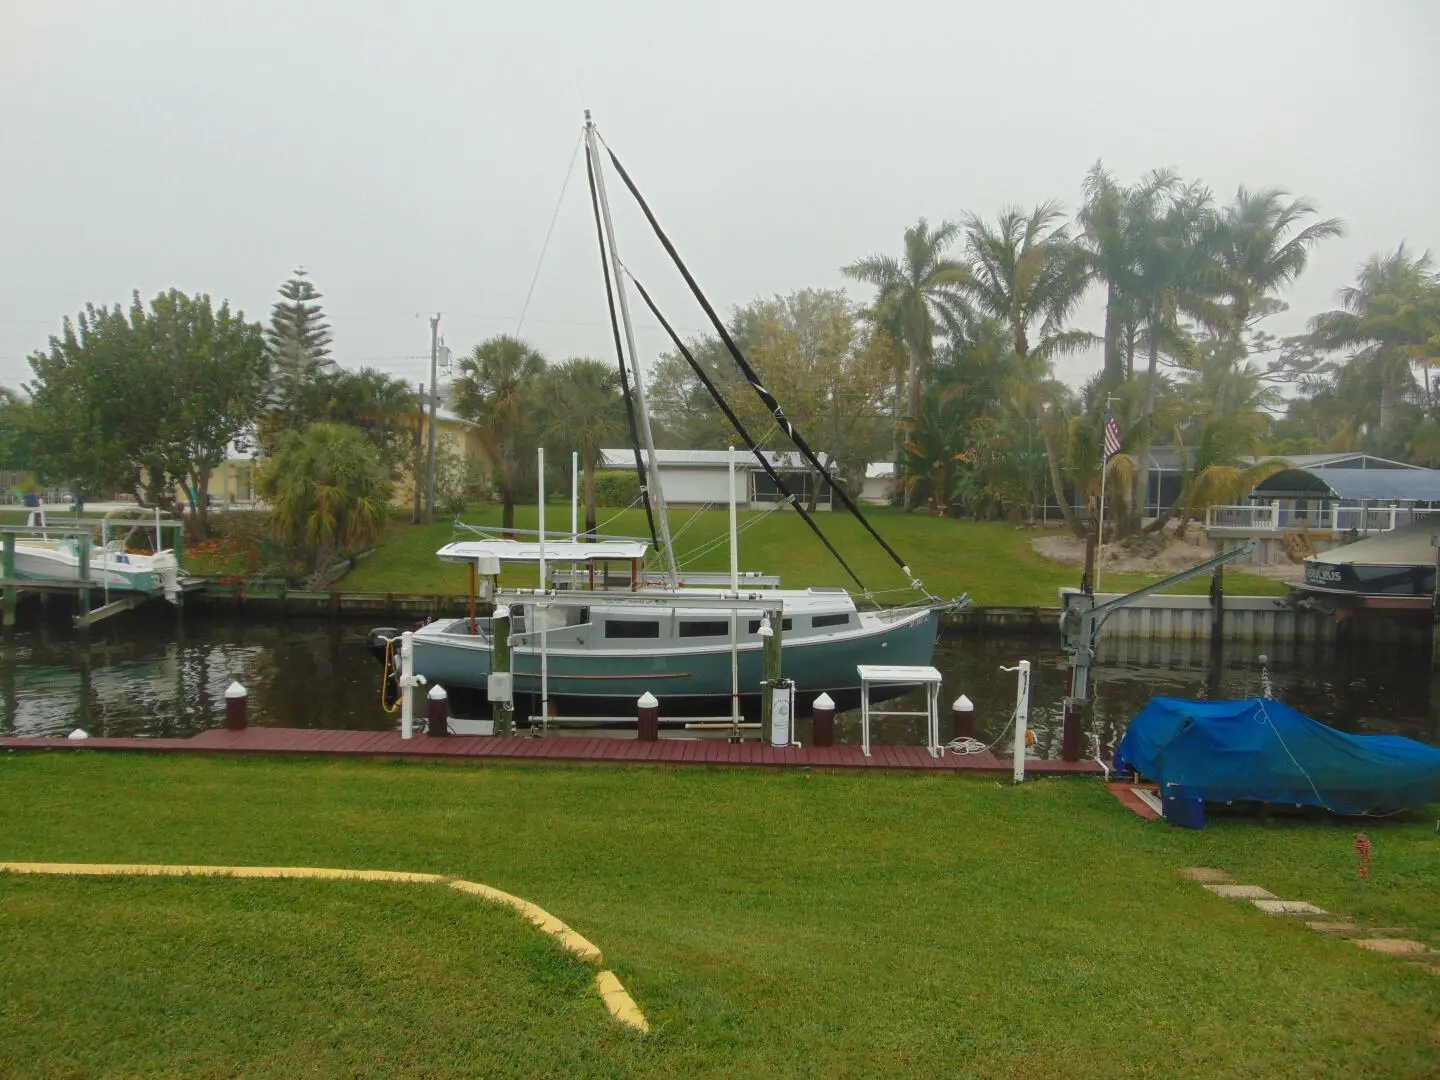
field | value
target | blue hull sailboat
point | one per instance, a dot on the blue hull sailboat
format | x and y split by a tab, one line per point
590	646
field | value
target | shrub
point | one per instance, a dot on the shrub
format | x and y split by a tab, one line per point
616	488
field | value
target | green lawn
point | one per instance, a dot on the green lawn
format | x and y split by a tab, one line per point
992	561
768	923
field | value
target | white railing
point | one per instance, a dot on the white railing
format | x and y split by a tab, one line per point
1271	518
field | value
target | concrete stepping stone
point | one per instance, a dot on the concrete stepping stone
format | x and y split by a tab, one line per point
1394	946
1289	907
1241	892
1207	875
1333	927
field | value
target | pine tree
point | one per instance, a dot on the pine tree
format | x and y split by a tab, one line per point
298	340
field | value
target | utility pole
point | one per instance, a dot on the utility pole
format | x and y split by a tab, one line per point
434	402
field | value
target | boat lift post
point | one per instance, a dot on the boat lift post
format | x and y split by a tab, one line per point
7	574
1080	624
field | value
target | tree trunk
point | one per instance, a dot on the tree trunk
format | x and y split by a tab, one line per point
1389	403
202	509
1140	487
1057	481
587	485
419	458
912	490
1113	372
507	513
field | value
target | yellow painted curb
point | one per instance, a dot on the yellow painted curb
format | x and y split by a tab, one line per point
568	938
621	1005
617	1001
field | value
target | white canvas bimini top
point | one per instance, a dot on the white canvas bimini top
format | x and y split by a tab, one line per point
557	551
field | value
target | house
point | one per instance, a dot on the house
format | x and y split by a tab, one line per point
232	483
700	477
454	434
879	486
1323	501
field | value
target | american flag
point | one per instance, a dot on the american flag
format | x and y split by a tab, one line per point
1112	435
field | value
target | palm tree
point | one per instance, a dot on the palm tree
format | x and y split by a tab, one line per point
1115	222
1260	254
916	293
1390	318
327	489
498	389
1024	271
585	412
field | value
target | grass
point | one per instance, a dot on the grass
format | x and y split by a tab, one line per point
769	924
992	561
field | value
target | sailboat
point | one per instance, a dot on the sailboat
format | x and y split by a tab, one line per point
591	639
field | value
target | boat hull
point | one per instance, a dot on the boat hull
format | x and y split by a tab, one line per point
53	561
687	682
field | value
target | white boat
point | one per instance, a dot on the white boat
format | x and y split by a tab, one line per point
591	651
590	641
107	566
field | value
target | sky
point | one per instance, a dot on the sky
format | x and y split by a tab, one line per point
410	156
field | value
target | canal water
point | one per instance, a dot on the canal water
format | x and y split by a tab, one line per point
151	674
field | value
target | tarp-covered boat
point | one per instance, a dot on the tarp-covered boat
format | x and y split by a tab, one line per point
1262	750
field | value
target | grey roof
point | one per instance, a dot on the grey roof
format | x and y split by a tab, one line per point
1379	485
1167	459
1406	546
700	459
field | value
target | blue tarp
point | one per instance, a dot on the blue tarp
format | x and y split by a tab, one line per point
1262	750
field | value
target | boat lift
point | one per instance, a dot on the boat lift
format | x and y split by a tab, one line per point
1080	624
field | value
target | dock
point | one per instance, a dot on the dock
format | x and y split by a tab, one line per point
553	750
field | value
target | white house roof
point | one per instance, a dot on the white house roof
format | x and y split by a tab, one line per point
712	459
880	470
528	551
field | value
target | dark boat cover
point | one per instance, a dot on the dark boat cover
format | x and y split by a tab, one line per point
1262	750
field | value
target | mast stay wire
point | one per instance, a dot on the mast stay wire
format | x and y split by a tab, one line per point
766	397
530	292
739	427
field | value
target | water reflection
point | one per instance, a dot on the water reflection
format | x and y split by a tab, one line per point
151	674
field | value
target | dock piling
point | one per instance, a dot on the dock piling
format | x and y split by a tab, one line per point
237	707
822	721
647	718
437	717
963	710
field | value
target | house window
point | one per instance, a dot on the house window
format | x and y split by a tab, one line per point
625	628
755	626
704	629
839	619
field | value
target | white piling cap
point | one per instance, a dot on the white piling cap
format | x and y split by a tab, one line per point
437	692
824	701
235	690
647	700
502	611
963	704
78	733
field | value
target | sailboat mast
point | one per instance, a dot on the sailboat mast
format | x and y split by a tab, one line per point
657	495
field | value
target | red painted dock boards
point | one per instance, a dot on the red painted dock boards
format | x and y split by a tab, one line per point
331	743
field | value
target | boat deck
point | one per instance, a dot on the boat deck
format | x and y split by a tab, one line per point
313	742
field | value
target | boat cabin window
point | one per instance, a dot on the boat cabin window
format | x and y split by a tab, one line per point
840	618
631	628
718	628
755	626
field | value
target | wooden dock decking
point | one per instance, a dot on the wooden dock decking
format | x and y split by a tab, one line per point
316	742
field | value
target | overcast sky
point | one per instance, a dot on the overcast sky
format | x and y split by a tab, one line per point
410	155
